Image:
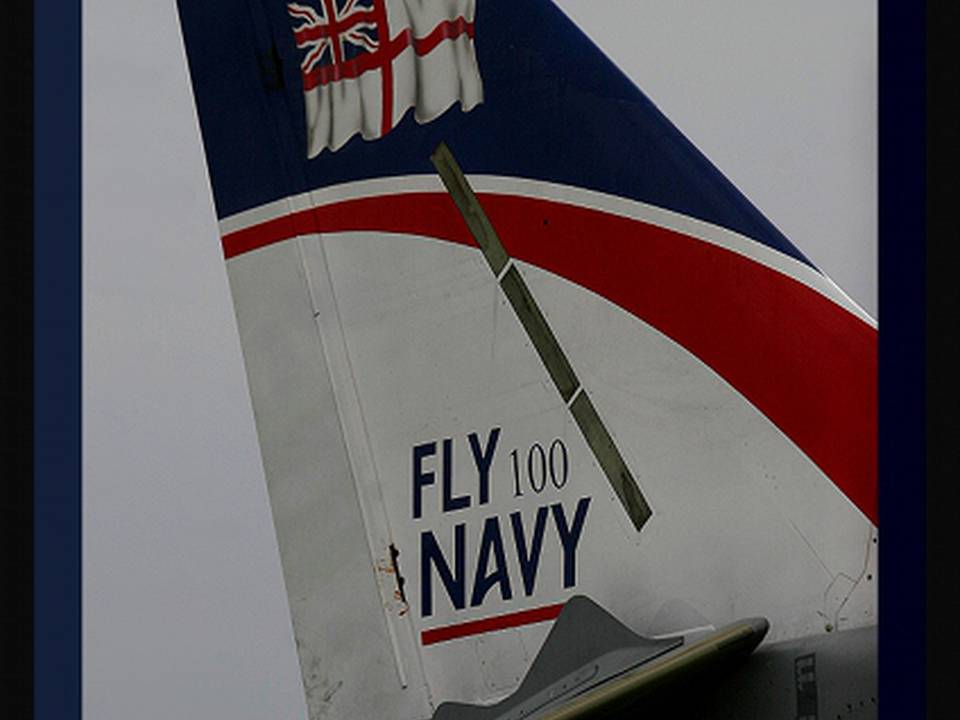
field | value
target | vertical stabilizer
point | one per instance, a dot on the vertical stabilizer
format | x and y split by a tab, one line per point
653	399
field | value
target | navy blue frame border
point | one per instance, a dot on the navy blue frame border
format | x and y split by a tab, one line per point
56	390
57	368
902	441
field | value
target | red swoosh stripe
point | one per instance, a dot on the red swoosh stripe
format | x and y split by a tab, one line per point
806	363
489	624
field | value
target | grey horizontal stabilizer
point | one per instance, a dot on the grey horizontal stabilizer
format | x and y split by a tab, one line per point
586	647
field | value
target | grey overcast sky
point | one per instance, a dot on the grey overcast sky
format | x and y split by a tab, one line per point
185	614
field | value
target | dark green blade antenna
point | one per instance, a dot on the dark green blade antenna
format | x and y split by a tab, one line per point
542	337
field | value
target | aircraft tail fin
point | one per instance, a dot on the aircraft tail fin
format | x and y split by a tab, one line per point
440	483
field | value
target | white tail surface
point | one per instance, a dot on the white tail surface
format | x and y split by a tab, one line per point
400	403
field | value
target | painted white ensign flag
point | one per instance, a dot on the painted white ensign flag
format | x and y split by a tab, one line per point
366	62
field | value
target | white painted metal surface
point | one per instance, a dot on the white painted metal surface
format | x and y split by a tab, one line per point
418	348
